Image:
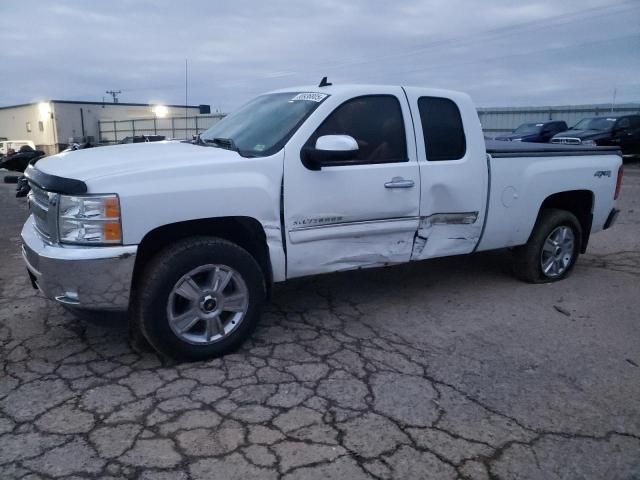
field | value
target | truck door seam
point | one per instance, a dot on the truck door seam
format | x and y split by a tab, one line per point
486	208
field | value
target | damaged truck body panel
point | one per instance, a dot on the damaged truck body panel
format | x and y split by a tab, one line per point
444	234
453	173
352	215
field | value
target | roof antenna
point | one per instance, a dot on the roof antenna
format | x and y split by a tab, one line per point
324	83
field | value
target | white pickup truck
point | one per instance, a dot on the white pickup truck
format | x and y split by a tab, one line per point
188	237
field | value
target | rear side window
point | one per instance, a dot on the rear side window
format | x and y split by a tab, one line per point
624	123
444	137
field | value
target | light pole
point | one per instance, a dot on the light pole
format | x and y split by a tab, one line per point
46	111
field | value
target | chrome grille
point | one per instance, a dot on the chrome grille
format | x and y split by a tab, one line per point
39	202
567	140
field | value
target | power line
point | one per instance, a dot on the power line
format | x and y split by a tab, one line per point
492	34
498	32
461	41
436	65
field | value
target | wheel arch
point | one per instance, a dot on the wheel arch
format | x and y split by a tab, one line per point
580	203
246	232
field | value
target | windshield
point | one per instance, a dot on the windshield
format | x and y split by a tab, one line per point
528	128
263	125
598	123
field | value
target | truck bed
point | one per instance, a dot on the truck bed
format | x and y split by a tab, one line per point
522	176
501	149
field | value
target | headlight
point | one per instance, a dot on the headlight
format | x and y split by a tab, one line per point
89	220
589	143
516	139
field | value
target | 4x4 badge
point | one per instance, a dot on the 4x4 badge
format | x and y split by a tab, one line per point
602	173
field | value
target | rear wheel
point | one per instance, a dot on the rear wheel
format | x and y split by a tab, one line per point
552	249
200	298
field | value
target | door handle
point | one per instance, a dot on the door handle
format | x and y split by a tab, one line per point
399	182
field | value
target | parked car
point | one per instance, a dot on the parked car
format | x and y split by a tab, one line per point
18	161
15	145
143	139
619	131
72	147
188	237
22	183
535	132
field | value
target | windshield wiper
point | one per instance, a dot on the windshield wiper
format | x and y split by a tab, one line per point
226	143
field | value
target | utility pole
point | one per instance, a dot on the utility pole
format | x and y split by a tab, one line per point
114	94
186	97
613	103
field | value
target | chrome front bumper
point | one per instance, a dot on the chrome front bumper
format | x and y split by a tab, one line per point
94	278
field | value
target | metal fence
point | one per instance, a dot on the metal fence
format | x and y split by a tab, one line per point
113	131
504	119
494	121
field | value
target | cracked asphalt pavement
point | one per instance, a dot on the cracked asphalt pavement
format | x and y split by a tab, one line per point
446	369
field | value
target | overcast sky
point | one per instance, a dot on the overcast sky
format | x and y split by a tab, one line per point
502	52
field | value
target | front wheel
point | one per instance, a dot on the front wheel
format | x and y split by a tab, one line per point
200	298
552	249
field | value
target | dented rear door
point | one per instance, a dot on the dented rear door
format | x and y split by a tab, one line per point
453	173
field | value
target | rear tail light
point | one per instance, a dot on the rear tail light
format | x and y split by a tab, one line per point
618	182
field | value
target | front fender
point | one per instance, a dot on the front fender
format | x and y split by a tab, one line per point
245	187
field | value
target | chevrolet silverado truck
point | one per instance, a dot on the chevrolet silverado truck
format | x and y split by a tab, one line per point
188	237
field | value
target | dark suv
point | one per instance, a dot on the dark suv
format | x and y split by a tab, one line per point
535	132
622	132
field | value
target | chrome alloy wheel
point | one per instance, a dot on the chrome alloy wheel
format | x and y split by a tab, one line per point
207	304
557	251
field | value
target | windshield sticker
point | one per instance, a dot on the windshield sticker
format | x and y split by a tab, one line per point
259	147
310	97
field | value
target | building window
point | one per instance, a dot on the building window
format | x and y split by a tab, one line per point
28	126
41	126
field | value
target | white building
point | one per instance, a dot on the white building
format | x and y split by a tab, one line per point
54	124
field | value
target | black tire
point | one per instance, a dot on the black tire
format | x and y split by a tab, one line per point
161	274
527	258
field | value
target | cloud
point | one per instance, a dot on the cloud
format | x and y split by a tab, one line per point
503	52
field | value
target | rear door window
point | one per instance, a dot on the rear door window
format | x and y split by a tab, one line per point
442	128
624	123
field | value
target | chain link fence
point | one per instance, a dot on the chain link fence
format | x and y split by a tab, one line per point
500	120
114	131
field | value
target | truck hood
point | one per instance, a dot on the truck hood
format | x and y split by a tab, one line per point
93	163
582	134
513	136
